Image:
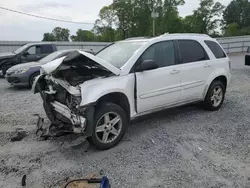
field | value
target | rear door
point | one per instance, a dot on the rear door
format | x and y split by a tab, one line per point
46	50
159	87
196	68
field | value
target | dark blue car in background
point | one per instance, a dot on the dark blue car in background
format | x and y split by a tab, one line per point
24	74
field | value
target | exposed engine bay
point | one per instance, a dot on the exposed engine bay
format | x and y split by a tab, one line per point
60	91
77	68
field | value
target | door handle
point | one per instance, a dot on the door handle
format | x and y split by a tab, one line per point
38	56
207	65
174	71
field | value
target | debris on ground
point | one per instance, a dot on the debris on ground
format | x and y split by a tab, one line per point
18	136
24	180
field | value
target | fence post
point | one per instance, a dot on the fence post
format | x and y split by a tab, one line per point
243	45
228	48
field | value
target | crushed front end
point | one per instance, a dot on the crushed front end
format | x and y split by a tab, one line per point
62	108
59	87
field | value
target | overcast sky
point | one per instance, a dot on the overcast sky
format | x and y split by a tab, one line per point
15	26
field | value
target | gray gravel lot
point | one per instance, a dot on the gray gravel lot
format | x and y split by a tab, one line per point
184	147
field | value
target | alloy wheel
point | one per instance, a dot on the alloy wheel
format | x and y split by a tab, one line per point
217	96
108	127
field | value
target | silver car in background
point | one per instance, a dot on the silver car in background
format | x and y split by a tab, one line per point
24	74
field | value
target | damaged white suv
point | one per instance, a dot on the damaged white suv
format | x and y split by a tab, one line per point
98	95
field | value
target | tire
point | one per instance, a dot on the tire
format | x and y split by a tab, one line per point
5	68
32	77
103	136
215	96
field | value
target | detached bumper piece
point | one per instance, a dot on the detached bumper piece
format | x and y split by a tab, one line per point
78	122
47	132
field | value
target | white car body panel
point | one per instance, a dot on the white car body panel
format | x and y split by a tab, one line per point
51	66
93	90
156	89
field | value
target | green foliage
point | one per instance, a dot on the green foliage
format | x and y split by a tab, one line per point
48	37
205	18
131	18
232	29
83	35
237	18
238	11
57	34
61	34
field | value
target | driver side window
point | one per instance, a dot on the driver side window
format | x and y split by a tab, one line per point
163	53
33	50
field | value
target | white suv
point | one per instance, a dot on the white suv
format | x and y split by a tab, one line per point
98	95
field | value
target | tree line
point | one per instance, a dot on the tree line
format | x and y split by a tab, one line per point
132	18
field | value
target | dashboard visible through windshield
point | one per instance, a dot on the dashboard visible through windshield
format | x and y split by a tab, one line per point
119	53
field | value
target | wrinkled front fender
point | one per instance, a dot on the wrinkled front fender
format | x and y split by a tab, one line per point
36	84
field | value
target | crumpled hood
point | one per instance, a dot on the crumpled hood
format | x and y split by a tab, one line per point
53	65
24	66
6	55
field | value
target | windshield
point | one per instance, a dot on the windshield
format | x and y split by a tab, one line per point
50	57
119	53
21	49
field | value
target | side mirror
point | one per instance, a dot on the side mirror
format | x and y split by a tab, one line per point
25	53
147	65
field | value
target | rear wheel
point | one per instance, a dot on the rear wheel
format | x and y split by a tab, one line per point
215	96
110	125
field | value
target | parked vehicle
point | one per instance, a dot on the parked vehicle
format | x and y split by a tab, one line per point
247	57
99	95
24	74
27	53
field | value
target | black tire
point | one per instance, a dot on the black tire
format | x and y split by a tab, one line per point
209	103
32	77
122	125
5	68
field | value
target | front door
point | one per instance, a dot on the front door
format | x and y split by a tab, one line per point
159	87
32	53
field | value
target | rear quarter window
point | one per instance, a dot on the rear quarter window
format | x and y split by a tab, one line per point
47	49
216	49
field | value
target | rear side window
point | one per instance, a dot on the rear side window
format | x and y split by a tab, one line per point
46	49
216	49
191	51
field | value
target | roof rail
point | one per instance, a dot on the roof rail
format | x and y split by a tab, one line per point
133	38
192	34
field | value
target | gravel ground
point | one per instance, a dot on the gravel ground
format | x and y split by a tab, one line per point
184	147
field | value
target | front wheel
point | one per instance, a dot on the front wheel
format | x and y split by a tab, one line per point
110	125
5	68
215	96
32	78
